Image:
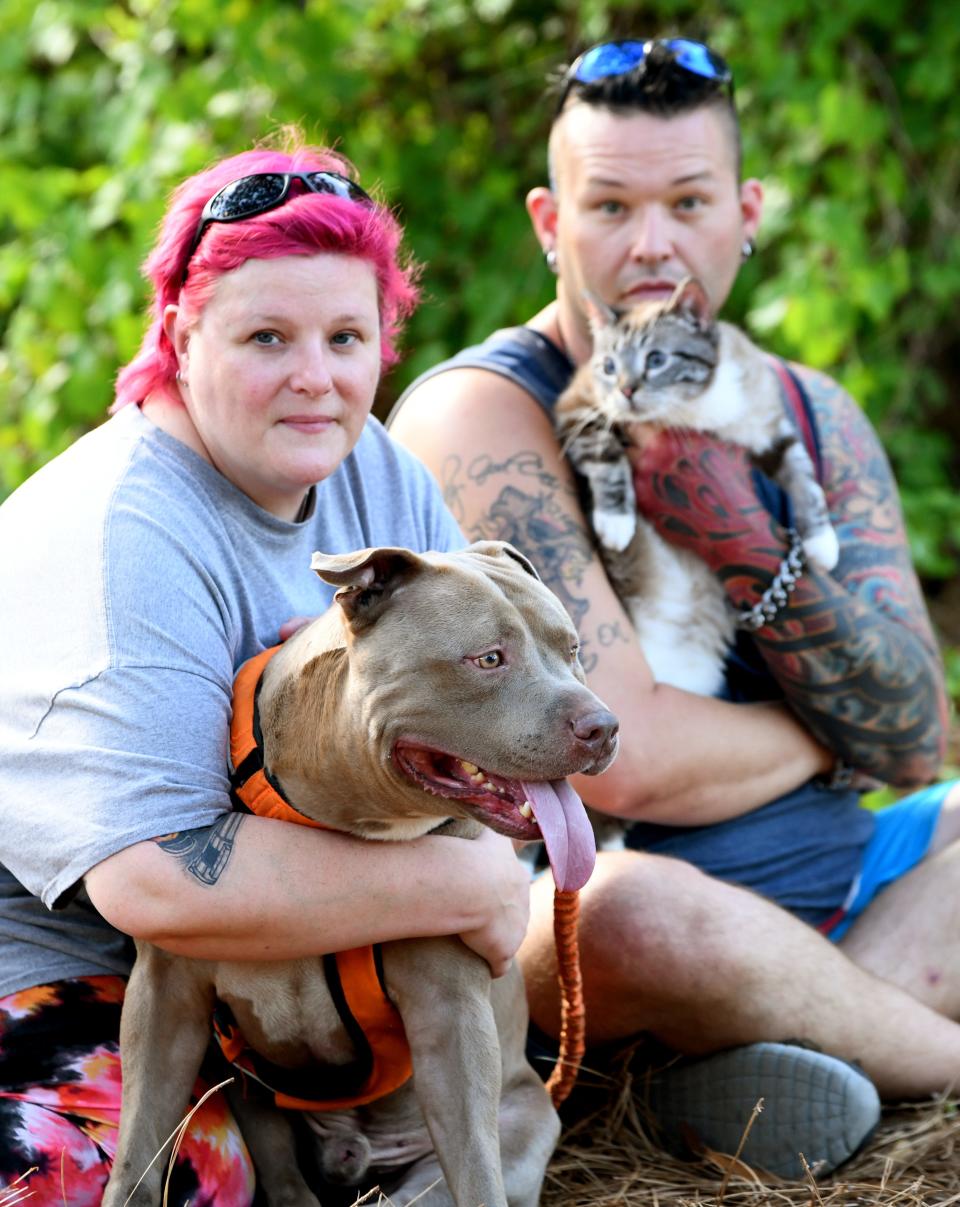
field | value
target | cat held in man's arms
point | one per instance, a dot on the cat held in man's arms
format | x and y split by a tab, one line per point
673	365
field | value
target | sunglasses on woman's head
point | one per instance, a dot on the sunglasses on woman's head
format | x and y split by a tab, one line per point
263	191
609	59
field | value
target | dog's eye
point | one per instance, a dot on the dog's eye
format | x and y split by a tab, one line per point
488	661
574	653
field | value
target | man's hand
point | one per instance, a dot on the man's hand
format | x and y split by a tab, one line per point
699	493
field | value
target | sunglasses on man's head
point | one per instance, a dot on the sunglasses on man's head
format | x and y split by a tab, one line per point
609	59
263	191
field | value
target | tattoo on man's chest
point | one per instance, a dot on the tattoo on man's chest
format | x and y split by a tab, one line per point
204	853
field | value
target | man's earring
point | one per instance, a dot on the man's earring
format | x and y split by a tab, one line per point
550	255
748	248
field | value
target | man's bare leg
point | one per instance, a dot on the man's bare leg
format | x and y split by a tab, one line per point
703	966
910	934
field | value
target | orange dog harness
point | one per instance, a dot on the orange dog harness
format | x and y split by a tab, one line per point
354	978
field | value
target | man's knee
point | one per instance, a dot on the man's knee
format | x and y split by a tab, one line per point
645	914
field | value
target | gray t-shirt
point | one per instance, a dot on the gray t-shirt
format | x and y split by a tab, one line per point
136	579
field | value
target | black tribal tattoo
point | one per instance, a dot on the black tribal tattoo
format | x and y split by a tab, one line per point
205	852
855	655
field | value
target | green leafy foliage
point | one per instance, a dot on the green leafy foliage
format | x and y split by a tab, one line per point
850	115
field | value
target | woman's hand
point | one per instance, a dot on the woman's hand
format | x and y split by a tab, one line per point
502	899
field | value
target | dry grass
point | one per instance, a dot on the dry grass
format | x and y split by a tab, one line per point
17	1191
606	1158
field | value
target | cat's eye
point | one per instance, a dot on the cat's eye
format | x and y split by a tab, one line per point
609	366
656	359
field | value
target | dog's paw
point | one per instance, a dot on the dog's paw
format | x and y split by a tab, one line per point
614	529
822	550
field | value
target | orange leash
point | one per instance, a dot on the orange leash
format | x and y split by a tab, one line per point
566	911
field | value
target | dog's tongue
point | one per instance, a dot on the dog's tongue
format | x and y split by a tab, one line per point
566	831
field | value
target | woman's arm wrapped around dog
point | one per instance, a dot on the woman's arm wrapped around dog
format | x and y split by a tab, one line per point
250	888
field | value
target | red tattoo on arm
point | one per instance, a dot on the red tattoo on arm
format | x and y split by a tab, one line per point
698	492
853	651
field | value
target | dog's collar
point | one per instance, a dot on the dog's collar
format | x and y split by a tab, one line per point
252	786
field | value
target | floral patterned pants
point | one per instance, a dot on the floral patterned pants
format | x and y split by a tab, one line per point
60	1104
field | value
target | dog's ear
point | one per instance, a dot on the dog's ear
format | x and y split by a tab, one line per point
367	579
503	549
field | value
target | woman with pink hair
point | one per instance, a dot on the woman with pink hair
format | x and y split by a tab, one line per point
151	560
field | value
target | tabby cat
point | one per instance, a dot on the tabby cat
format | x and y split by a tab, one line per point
671	364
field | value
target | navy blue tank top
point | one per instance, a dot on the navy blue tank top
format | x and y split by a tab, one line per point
804	849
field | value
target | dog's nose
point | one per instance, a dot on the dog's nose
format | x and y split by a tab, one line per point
595	729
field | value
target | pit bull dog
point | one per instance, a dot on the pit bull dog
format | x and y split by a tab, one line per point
444	693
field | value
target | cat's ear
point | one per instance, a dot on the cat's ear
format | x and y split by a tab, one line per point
598	313
690	299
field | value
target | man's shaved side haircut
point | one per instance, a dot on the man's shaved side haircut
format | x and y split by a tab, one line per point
655	86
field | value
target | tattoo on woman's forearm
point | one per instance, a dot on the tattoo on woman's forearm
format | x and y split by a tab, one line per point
205	852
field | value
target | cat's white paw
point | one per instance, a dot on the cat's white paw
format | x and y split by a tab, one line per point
614	529
822	550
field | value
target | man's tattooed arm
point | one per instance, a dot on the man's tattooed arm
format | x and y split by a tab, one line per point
539	515
453	477
853	651
205	852
856	653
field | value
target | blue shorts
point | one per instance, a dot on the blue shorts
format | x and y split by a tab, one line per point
900	841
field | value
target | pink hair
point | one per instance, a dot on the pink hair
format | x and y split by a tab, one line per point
306	224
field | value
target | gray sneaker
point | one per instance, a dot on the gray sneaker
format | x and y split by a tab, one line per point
812	1104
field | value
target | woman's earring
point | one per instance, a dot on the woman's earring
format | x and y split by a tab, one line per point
550	255
748	248
181	380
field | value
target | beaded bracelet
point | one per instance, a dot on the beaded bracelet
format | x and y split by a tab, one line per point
770	603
